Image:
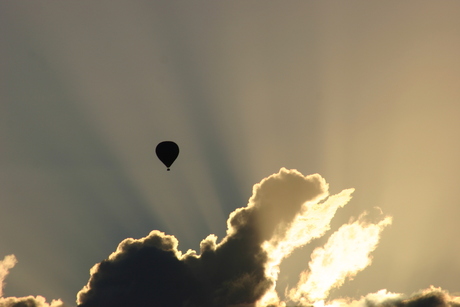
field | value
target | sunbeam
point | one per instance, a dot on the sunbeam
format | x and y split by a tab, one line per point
364	93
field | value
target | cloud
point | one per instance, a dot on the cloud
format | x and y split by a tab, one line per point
311	222
141	272
6	264
152	271
430	297
29	301
286	211
346	253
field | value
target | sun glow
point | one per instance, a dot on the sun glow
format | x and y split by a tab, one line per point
312	222
346	253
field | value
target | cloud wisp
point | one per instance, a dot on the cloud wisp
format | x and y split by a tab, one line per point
6	264
346	253
29	301
286	211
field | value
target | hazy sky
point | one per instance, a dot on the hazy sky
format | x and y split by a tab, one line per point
364	93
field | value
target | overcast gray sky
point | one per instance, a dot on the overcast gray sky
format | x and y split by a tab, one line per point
364	93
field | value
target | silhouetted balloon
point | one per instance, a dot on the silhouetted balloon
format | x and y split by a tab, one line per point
167	152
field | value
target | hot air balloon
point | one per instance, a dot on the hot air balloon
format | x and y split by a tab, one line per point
167	152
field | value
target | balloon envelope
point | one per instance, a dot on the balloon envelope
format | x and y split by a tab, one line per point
167	152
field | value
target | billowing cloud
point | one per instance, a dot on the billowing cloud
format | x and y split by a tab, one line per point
286	211
152	271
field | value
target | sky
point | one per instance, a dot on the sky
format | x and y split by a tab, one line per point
363	93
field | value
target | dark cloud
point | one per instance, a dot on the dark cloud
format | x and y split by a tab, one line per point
435	298
152	272
145	272
430	297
